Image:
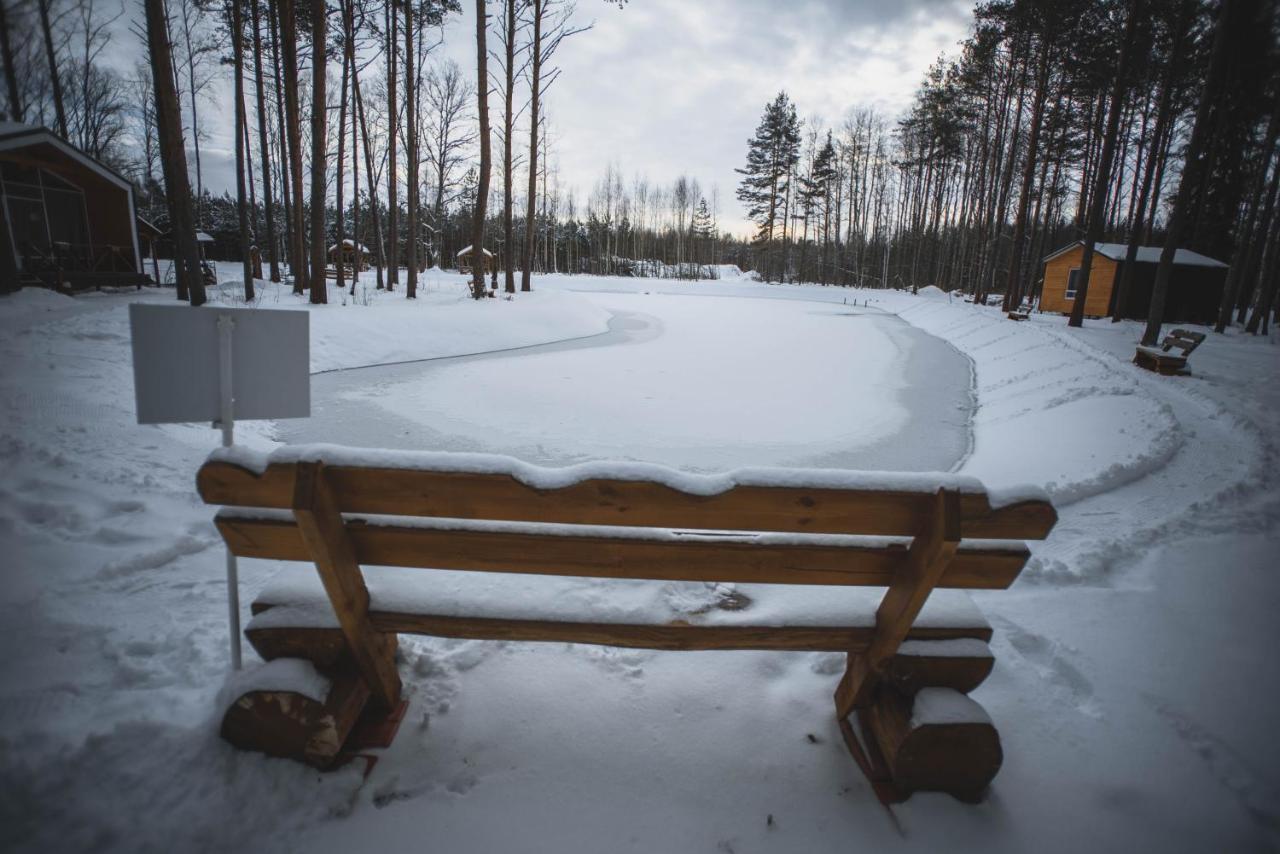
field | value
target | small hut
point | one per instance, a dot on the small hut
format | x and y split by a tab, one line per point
1195	288
149	235
66	219
353	256
464	260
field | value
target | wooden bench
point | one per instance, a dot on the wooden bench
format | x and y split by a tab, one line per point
789	560
1162	360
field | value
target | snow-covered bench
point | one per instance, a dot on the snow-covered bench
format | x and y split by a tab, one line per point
1162	360
756	559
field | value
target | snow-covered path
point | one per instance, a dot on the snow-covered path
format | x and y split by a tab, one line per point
695	382
1135	684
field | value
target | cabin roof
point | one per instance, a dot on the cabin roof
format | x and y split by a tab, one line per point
19	135
1146	254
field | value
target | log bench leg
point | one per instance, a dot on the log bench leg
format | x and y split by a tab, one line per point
292	726
941	742
315	509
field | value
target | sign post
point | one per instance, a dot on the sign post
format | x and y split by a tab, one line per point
217	365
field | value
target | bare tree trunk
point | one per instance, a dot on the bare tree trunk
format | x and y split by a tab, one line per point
293	119
340	274
1102	177
508	132
1192	168
1251	234
535	104
186	261
16	112
319	127
358	251
286	174
1164	115
264	150
482	189
242	212
411	155
1013	283
393	205
368	166
55	80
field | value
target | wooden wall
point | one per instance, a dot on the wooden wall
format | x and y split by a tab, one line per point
1102	279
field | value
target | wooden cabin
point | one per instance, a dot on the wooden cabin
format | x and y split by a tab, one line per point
1195	288
69	221
354	256
464	261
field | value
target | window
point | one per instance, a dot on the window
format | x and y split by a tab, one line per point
1072	278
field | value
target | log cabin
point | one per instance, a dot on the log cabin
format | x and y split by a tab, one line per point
353	256
464	260
69	221
1195	289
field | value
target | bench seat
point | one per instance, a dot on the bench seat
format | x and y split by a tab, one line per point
1158	353
675	615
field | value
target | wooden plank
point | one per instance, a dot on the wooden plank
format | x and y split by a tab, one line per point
679	559
462	495
326	646
909	673
930	554
324	535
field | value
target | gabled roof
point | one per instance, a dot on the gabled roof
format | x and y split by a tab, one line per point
1146	254
17	135
466	250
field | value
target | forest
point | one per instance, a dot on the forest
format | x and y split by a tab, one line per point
1143	122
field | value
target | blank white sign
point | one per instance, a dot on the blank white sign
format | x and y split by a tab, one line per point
175	363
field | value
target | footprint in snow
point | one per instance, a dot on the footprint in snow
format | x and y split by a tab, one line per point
1045	656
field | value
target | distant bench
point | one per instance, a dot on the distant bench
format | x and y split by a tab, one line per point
1162	359
804	551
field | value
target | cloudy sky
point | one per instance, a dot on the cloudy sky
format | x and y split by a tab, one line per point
670	87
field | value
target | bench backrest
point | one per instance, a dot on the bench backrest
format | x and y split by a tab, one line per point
1184	340
770	527
482	513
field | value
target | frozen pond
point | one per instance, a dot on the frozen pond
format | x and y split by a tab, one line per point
697	382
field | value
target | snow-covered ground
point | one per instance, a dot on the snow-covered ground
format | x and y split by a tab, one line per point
1135	683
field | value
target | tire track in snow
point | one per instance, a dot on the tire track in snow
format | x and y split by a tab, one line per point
1197	473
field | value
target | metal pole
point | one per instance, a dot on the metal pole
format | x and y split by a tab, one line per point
226	420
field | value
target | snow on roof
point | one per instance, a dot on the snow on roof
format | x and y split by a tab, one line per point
348	243
19	135
1146	254
8	128
466	250
203	237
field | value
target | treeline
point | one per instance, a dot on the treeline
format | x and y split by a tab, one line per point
345	125
1133	121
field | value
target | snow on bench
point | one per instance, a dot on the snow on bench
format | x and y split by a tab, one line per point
627	554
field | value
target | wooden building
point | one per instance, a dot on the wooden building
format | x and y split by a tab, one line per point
464	260
353	256
68	220
1195	289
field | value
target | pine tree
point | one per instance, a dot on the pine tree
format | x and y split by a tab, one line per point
772	154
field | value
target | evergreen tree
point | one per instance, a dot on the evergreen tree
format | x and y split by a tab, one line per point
772	154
